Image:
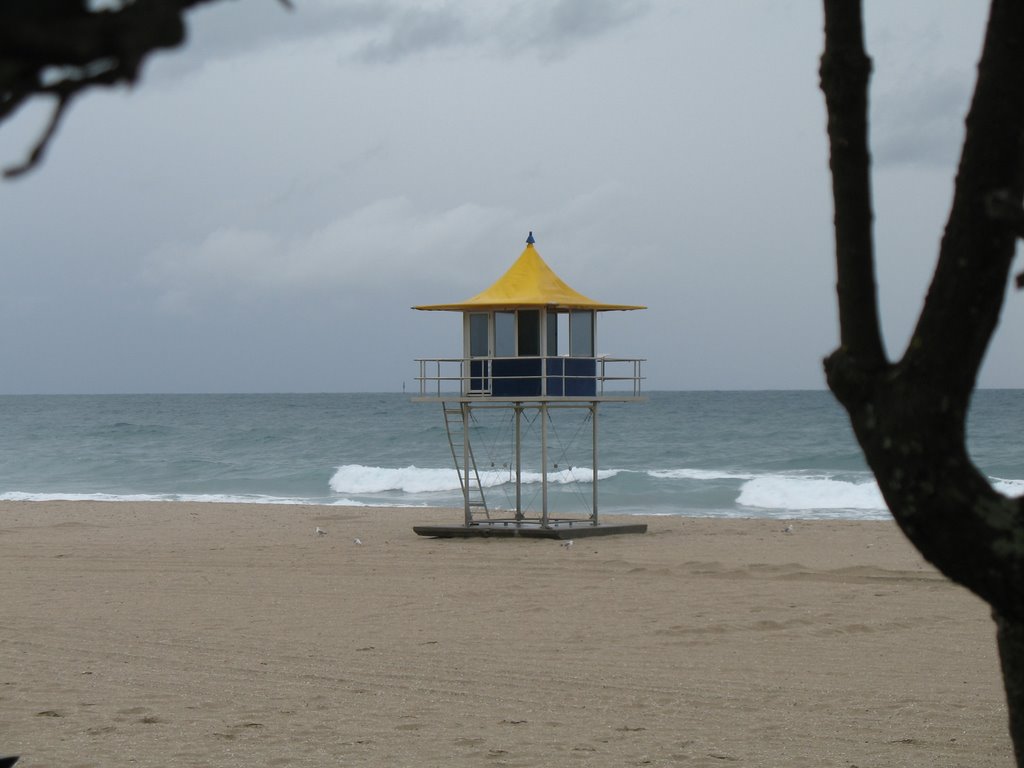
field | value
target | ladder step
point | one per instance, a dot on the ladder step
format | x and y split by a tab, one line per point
458	428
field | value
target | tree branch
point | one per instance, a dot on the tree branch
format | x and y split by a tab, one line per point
36	155
86	48
966	295
845	73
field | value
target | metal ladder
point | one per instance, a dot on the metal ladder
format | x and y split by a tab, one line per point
458	441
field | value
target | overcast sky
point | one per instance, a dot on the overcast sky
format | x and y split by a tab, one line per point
262	210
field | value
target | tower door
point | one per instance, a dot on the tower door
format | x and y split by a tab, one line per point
528	333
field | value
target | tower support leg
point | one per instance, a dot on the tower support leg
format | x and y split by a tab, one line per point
593	418
465	463
544	464
519	461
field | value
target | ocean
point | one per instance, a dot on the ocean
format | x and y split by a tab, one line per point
708	454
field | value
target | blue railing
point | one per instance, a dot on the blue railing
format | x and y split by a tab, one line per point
517	378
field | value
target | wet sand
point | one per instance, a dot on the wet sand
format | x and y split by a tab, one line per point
174	634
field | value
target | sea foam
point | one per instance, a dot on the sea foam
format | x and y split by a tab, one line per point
699	474
361	479
810	493
200	498
824	493
1011	488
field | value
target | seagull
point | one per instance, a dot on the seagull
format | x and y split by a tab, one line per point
788	529
357	541
567	544
320	531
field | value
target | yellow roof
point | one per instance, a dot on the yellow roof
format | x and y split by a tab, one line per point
529	282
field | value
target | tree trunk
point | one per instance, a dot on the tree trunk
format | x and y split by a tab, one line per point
910	416
1010	636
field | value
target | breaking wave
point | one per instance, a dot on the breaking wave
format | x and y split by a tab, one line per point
360	479
810	493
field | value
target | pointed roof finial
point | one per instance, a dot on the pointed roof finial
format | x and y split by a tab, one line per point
530	240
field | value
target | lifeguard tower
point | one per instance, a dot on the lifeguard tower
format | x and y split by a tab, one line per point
529	349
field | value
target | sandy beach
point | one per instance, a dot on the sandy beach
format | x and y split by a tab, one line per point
159	634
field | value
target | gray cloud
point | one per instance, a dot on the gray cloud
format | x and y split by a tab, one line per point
386	32
358	253
407	32
555	26
922	123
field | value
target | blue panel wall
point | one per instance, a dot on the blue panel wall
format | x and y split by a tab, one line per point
580	377
516	378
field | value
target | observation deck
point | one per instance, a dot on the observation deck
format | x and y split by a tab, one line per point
530	379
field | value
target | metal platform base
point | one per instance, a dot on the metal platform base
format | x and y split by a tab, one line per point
562	529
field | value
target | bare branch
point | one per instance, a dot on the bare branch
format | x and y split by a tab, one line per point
845	72
89	48
36	155
977	251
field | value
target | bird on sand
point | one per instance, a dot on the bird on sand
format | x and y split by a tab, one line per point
320	531
357	541
567	544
